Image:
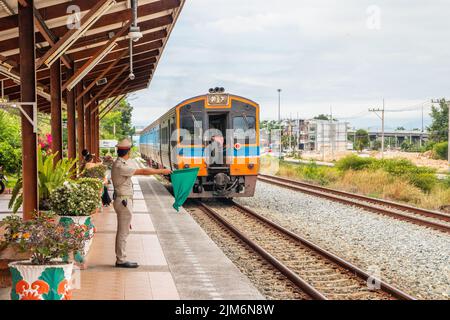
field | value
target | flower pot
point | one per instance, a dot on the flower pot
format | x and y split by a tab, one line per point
67	221
40	282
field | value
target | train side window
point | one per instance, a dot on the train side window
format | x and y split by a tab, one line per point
193	124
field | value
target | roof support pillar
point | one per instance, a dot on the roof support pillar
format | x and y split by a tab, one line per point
28	94
80	123
87	128
92	130
56	111
71	128
97	135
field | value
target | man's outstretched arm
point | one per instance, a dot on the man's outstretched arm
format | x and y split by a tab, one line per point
151	171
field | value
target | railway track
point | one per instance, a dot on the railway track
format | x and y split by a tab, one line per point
431	219
318	273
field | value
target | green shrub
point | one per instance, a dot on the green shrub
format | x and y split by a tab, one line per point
440	150
51	175
98	172
424	181
10	158
315	173
353	162
91	182
421	177
446	182
74	199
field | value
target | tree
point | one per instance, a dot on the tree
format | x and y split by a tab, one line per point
10	143
361	139
10	129
322	117
117	123
400	129
439	126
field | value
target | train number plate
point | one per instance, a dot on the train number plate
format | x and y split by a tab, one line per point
218	99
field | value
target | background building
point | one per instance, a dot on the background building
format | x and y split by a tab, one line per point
322	136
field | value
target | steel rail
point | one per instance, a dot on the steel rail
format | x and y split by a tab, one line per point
292	276
346	198
328	255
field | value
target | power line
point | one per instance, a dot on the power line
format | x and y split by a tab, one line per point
382	125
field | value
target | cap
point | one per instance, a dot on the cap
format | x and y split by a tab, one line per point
124	144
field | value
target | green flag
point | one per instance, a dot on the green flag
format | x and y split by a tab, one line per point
182	182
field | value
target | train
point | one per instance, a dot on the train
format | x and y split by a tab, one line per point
218	133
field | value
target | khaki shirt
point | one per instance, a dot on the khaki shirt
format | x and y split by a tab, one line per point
121	174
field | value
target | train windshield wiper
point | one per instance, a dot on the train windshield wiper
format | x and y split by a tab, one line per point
246	120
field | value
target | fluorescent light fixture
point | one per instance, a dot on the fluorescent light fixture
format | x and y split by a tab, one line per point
79	32
72	83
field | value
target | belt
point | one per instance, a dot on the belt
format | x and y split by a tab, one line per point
121	197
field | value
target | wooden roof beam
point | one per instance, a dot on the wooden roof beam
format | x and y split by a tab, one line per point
100	76
71	36
94	60
107	86
49	36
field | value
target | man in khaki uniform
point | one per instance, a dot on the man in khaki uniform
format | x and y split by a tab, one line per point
121	174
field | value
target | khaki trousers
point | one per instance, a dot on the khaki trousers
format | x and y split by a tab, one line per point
124	217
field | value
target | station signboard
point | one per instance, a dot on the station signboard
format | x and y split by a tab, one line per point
108	143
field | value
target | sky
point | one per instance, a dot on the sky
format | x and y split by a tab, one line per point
327	56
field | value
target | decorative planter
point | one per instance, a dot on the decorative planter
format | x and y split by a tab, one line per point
36	282
67	221
5	275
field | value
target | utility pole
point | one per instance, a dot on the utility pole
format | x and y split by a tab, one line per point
376	111
421	134
279	121
448	106
332	133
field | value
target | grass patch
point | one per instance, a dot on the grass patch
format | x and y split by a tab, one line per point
310	172
391	179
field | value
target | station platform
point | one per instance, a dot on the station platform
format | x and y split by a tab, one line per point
177	259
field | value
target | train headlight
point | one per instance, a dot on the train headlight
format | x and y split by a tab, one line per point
237	146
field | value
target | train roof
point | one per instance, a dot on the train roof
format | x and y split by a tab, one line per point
184	102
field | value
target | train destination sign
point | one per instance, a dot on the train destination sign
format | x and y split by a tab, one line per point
218	99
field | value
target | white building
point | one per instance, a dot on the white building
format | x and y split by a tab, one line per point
323	136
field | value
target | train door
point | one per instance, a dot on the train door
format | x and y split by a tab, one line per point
217	125
172	144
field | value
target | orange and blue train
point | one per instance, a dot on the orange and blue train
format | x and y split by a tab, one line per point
218	133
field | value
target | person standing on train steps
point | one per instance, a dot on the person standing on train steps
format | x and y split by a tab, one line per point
121	174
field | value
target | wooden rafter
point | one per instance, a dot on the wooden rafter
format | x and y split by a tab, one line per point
100	76
49	36
67	39
95	58
107	86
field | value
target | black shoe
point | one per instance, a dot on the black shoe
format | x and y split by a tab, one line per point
127	265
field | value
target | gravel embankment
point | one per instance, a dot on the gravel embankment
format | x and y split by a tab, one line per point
410	257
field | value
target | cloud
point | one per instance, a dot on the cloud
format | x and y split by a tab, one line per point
320	52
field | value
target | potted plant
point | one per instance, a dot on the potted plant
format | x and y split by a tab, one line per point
99	172
51	175
74	203
47	274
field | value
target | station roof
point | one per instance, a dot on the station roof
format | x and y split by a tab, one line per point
105	25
